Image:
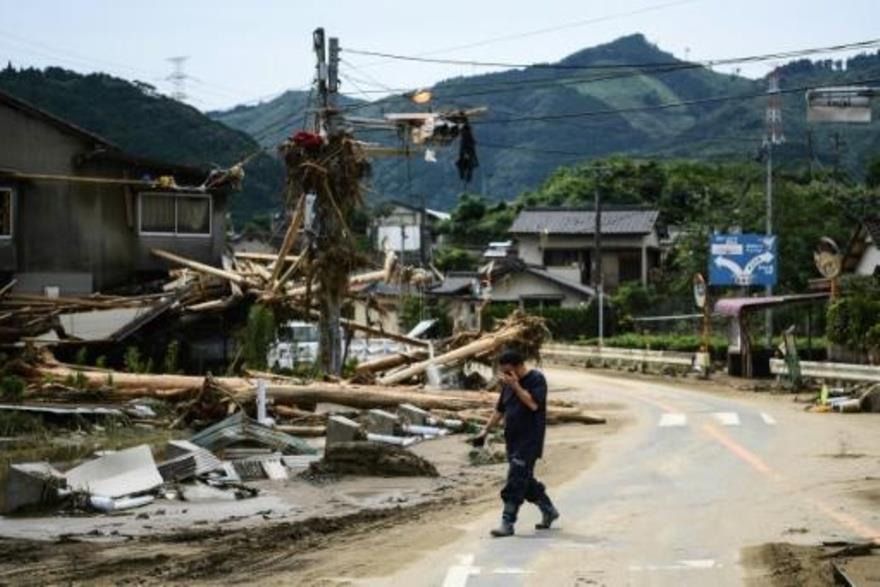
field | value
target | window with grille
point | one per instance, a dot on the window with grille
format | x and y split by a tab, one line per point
181	214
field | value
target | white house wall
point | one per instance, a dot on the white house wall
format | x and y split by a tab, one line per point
518	286
869	261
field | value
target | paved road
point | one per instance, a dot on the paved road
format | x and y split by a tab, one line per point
674	498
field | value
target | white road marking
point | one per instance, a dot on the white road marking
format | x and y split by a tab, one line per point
457	575
727	418
768	419
683	565
510	571
667	420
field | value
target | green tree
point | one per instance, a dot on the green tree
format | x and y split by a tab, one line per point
450	258
257	335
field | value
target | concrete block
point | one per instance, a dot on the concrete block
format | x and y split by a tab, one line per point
341	429
411	414
381	422
31	484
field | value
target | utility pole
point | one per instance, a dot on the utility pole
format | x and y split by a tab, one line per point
329	230
773	137
598	277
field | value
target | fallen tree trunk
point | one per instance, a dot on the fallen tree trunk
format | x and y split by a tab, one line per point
125	386
520	329
391	361
200	267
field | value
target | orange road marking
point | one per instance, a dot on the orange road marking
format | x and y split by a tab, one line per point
757	463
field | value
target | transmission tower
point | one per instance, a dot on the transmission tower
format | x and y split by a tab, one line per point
178	78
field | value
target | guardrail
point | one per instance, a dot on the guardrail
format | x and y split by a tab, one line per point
570	352
827	370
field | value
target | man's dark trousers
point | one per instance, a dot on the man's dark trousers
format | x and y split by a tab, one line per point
522	486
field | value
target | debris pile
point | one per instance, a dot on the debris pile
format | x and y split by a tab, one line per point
220	457
859	398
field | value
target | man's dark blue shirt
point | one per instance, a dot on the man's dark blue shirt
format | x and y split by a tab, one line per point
524	428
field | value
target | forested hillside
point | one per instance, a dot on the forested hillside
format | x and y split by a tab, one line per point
540	118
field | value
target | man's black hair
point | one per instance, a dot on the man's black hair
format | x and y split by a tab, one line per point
511	357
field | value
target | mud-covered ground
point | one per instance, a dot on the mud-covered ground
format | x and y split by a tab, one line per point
292	533
798	565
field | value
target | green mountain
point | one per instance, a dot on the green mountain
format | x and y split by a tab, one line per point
620	110
146	124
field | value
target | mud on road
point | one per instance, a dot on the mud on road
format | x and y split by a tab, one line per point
319	545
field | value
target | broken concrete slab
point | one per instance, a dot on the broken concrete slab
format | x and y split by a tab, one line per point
341	429
32	484
381	422
122	473
239	428
411	414
187	460
274	469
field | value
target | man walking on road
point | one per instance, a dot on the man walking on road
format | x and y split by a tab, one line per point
523	405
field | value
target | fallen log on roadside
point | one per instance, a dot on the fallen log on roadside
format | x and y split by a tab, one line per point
125	386
520	329
390	362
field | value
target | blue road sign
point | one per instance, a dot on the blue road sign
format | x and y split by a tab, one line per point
742	259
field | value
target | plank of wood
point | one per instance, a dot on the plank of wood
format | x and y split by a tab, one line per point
200	267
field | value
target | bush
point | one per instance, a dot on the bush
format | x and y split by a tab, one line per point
257	335
448	258
172	357
853	319
133	361
12	388
684	343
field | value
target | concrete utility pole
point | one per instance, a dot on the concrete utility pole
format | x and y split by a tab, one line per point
773	137
329	230
598	277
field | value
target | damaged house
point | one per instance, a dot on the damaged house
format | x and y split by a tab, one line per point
79	215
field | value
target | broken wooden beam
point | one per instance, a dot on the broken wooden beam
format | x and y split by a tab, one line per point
200	267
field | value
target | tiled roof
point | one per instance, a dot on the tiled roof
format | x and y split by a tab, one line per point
455	283
581	221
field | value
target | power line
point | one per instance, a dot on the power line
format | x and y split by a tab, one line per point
664	106
552	81
644	65
542	31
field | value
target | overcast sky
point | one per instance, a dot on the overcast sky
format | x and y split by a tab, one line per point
243	51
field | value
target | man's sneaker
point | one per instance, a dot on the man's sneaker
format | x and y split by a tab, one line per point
502	531
548	516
